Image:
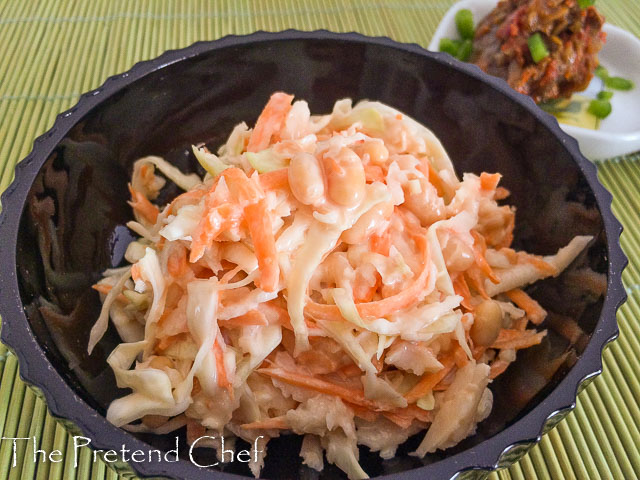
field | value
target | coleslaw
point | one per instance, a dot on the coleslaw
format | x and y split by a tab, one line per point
330	276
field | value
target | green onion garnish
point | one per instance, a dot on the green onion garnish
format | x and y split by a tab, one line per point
464	52
605	95
450	46
599	108
586	3
464	23
618	83
601	72
537	47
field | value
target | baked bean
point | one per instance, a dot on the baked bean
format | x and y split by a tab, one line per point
306	179
487	323
345	178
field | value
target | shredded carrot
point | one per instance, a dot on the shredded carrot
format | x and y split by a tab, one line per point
380	242
510	253
102	288
501	193
430	380
270	121
475	279
135	272
364	413
105	289
498	367
252	317
177	262
350	370
479	250
222	378
517	340
435	179
461	288
243	188
323	386
379	308
216	220
264	244
489	181
532	308
373	173
275	180
538	262
275	423
460	357
187	198
143	206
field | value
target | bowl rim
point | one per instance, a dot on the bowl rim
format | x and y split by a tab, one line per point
498	451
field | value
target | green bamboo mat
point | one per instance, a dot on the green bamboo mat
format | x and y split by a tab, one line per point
52	51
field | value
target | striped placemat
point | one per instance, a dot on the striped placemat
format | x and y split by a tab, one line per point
52	51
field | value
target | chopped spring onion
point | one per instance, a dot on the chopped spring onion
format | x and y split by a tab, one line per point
464	52
602	72
600	108
586	3
605	95
537	47
464	24
450	46
618	83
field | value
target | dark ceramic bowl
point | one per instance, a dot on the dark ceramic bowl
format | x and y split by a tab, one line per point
63	223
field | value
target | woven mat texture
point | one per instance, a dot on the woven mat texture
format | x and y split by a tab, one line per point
52	51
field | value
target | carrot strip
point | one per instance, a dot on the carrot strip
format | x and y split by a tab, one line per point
187	198
243	188
475	279
435	179
479	249
430	380
312	383
404	417
216	220
532	308
380	242
498	367
275	179
364	413
461	288
177	262
373	173
223	379
379	308
252	317
517	340
270	121
264	244
538	262
143	206
489	181
350	370
105	289
276	423
501	193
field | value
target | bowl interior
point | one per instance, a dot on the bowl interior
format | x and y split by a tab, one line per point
72	226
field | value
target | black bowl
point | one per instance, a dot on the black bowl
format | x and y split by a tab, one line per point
62	224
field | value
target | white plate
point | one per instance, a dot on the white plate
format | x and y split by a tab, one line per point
619	133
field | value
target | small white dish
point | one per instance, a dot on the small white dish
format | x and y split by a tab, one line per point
619	133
